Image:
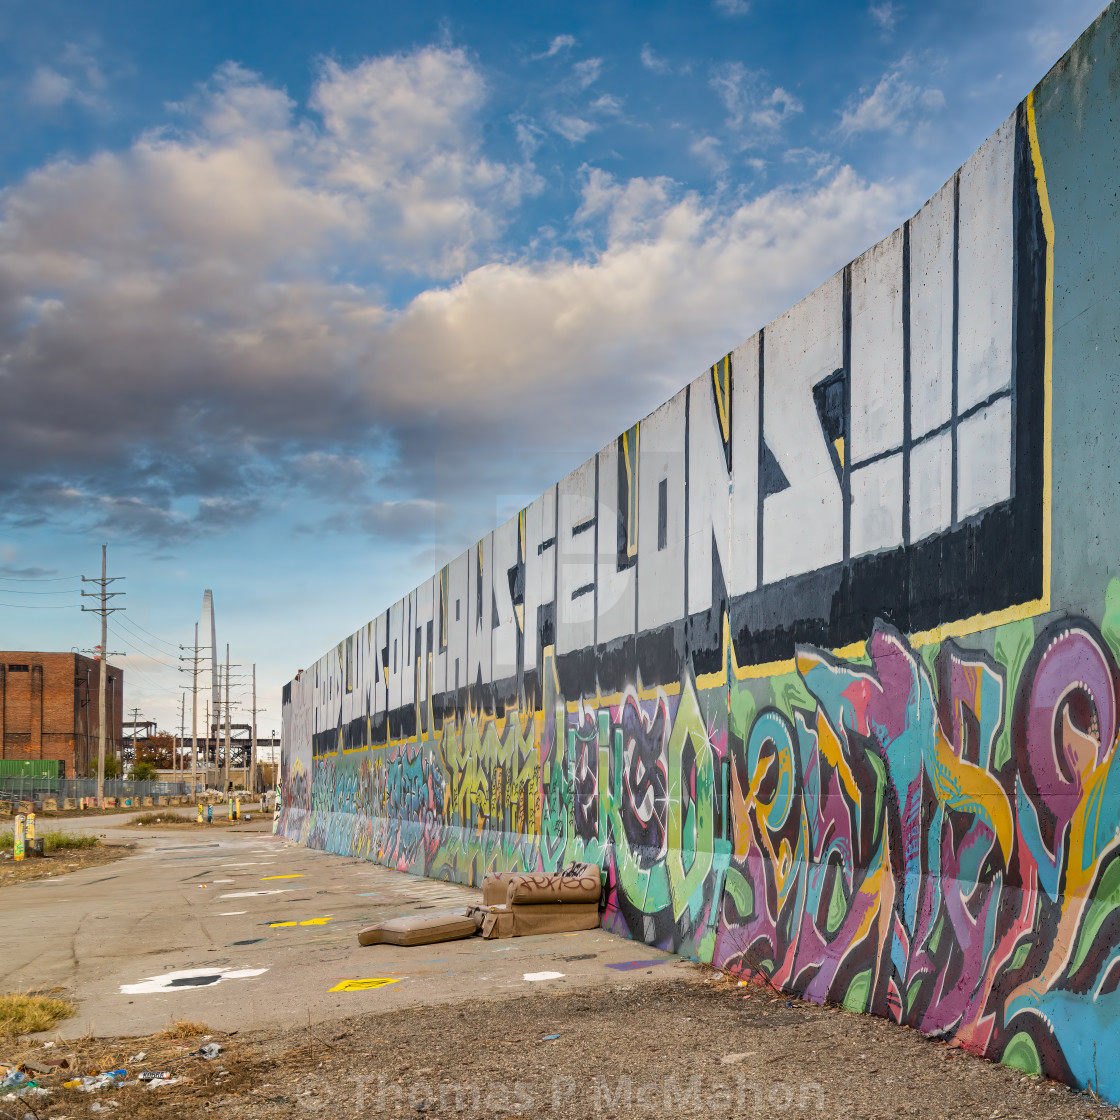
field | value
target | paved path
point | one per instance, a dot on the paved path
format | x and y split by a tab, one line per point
211	902
103	823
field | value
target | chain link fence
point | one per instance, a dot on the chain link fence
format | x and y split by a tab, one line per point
32	788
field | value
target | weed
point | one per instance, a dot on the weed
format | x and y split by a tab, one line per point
23	1013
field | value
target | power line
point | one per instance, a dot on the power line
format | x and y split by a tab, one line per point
17	591
163	641
153	685
39	606
38	579
143	653
154	654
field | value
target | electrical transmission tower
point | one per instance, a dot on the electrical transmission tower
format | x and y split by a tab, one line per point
195	660
104	594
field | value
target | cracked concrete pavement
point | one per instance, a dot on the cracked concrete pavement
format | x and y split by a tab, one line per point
217	903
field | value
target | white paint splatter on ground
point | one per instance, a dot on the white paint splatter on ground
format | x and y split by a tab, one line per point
542	976
188	978
253	894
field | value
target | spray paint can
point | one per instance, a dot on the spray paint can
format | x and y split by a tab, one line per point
18	837
200	812
209	814
29	838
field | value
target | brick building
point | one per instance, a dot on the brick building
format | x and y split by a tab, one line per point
49	709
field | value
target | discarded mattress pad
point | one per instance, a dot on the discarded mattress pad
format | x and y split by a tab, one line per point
420	929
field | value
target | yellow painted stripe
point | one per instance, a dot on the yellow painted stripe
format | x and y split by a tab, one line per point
265	878
1048	360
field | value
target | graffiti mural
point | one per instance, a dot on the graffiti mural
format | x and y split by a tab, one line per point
787	659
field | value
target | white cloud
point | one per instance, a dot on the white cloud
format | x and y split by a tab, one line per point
402	136
74	76
573	128
49	88
607	104
576	126
885	14
707	149
651	60
210	304
558	44
752	109
891	106
732	7
586	72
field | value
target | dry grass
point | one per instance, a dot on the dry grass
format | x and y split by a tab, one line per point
23	1013
56	841
201	1088
183	1028
166	817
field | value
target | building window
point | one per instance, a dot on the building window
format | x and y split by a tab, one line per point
456	610
19	668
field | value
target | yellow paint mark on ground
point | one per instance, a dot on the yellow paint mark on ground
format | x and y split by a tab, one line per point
363	985
265	878
279	925
308	922
315	922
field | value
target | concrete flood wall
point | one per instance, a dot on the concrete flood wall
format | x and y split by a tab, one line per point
819	660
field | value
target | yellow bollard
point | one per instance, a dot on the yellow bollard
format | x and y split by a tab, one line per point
18	837
200	812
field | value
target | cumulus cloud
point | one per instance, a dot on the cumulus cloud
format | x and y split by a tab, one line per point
402	139
198	327
893	105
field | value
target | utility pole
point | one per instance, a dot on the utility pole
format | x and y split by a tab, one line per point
253	754
182	731
226	786
194	659
135	723
104	594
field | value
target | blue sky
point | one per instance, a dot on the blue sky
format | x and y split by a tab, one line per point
298	300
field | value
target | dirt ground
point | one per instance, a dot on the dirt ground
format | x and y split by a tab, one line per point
171	819
59	862
650	1050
